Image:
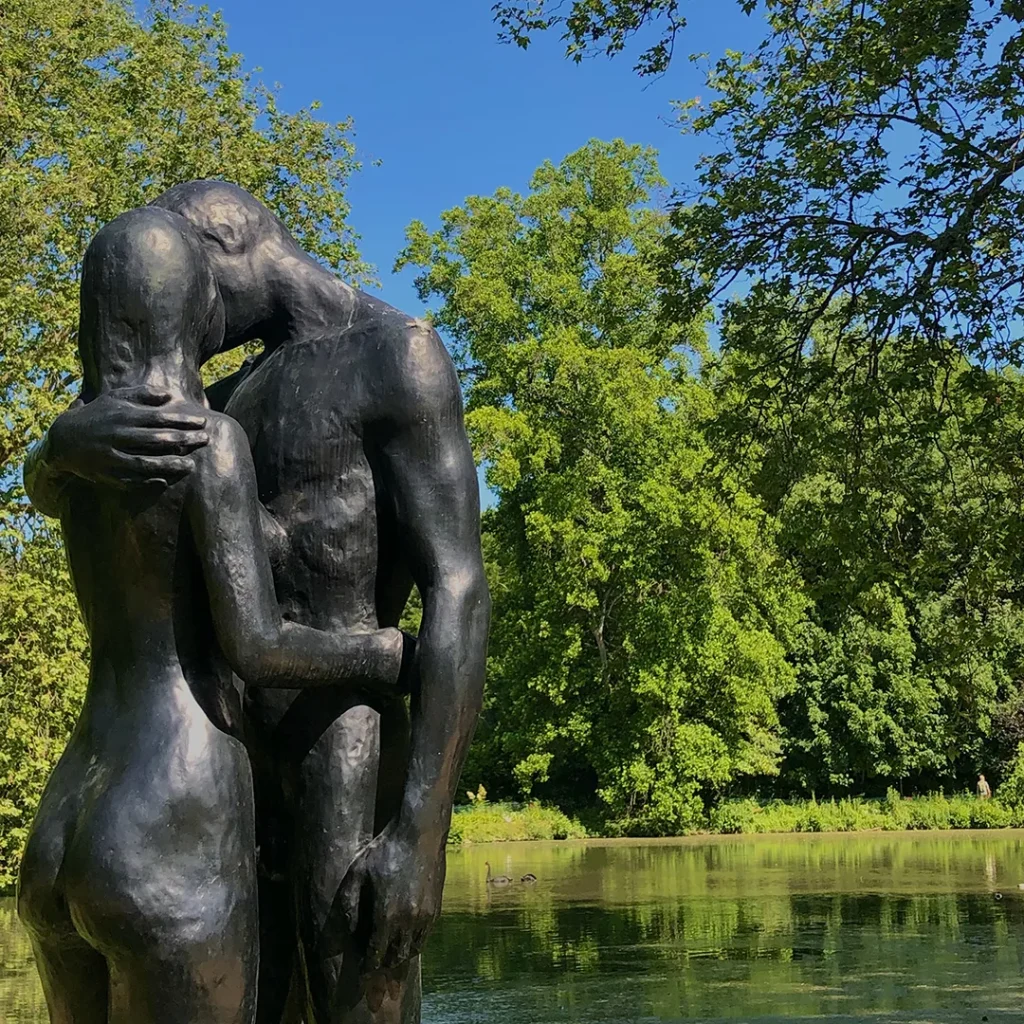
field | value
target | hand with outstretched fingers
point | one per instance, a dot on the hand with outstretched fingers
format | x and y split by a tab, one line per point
127	437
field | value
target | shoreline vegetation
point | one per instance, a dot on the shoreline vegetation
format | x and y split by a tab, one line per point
484	822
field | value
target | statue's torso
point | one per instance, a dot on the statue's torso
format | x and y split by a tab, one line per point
311	412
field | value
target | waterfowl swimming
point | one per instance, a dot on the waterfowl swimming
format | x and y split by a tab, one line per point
528	877
496	879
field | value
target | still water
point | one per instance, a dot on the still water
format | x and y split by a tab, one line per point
876	927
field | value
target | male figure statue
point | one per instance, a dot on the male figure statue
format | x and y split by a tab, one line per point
354	416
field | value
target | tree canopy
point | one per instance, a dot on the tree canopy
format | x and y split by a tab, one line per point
101	109
862	168
640	609
703	586
594	25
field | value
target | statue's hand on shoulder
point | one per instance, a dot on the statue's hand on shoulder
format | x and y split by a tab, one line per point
124	438
391	896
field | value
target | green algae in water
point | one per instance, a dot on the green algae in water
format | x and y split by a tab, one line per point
881	927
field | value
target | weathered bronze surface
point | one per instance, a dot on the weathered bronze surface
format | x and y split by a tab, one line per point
249	822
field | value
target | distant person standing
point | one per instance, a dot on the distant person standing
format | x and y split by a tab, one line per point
984	789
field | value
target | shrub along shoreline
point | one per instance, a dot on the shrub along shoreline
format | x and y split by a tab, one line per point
484	822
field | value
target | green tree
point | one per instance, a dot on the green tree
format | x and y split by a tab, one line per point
43	674
596	25
864	168
101	109
861	191
638	641
900	508
868	152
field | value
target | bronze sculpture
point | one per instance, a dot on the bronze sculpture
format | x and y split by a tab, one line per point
353	416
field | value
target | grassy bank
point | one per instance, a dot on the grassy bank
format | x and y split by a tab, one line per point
504	822
857	814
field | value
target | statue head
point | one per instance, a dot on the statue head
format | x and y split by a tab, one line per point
250	250
151	312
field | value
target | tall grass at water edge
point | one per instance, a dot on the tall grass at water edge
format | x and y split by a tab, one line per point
484	822
860	814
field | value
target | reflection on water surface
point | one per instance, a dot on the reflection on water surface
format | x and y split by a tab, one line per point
878	927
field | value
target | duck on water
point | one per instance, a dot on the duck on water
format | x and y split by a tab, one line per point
496	879
528	878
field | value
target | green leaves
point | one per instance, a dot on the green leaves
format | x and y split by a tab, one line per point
863	170
43	675
638	605
596	25
898	499
100	111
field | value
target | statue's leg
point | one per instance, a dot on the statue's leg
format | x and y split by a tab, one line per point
75	980
278	973
185	985
351	780
190	959
174	914
275	825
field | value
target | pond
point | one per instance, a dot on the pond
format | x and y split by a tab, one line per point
880	927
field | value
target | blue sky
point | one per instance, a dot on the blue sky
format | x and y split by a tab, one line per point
448	111
451	112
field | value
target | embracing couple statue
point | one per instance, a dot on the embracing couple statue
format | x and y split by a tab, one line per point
249	803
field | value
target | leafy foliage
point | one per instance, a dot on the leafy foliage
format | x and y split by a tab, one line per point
864	172
892	813
591	25
483	822
899	501
639	607
1011	792
856	218
100	111
714	581
862	169
43	674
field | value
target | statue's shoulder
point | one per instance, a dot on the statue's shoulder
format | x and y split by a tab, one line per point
391	327
406	349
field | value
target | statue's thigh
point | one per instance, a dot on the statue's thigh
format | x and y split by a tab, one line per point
337	792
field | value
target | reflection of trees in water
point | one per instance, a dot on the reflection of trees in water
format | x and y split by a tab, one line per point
830	924
642	875
21	999
894	951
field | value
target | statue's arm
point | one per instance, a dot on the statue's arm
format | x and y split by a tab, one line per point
120	439
261	648
436	501
45	477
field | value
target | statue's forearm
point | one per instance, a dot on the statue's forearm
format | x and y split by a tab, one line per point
451	654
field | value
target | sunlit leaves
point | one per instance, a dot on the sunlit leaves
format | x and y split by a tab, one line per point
636	649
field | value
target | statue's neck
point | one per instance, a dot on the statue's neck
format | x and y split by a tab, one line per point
311	303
